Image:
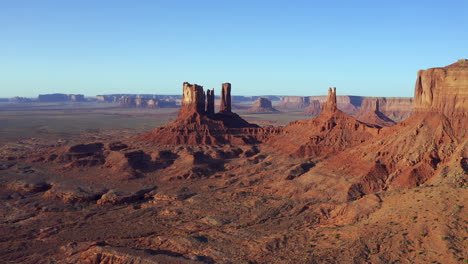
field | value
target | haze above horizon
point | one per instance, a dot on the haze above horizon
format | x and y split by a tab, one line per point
366	48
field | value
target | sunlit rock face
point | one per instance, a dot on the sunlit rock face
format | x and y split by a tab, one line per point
443	90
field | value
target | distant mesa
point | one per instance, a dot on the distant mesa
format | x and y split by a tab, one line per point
374	117
314	109
18	99
262	105
142	102
294	102
58	97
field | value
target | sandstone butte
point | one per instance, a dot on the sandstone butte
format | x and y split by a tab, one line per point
262	105
197	122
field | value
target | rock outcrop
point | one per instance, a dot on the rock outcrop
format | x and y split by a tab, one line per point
430	146
196	124
330	132
443	90
262	105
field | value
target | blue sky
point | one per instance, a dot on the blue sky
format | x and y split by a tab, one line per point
372	48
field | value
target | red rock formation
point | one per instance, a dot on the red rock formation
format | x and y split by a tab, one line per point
374	117
194	125
395	108
330	105
346	103
443	90
193	100
329	132
262	105
430	146
225	98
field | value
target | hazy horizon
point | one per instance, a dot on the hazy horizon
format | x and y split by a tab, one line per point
363	48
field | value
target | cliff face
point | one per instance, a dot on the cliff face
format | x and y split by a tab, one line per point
262	105
395	108
294	102
314	108
193	99
443	90
374	116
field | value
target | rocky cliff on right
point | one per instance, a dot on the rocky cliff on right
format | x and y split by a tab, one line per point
430	147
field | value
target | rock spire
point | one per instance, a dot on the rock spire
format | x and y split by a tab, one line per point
225	98
330	104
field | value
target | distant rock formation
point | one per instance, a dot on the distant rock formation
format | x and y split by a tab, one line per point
314	109
61	98
262	105
374	117
395	108
346	103
294	102
140	102
330	132
18	99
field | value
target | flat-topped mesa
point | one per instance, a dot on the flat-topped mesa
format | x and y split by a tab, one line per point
443	90
225	98
193	100
330	105
210	102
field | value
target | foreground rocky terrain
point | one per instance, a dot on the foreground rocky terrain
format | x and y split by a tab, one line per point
210	187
